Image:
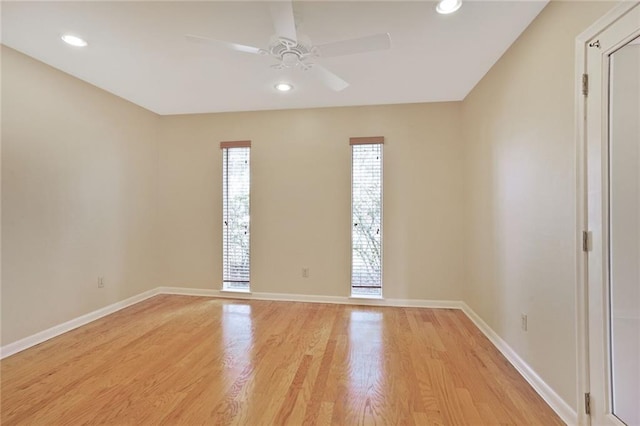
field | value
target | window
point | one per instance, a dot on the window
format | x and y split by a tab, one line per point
235	215
366	214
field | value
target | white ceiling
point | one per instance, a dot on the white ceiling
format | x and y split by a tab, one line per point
137	50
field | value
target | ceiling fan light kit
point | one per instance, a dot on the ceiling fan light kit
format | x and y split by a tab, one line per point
292	50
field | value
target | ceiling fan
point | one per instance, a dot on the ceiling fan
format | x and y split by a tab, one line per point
293	50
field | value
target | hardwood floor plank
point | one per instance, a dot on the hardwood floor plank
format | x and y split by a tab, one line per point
324	415
316	402
469	408
291	397
197	360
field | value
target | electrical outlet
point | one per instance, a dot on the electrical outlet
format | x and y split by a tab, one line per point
305	272
523	321
100	282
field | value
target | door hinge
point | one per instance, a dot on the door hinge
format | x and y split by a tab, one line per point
585	84
586	241
587	403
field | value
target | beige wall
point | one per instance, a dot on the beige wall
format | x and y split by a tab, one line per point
520	156
79	176
300	205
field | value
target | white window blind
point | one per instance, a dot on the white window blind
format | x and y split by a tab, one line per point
235	205
366	210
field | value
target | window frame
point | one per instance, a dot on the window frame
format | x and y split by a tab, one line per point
224	147
355	141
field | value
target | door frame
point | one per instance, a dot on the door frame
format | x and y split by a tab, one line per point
582	289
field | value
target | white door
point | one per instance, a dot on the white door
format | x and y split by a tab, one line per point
613	204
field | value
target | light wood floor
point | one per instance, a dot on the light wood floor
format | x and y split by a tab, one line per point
195	360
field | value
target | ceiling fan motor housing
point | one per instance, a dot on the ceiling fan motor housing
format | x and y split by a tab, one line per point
291	54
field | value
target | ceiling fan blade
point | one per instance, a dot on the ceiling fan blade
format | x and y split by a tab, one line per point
226	44
329	79
283	19
355	45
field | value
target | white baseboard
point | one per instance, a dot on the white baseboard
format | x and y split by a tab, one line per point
288	297
27	342
191	291
562	409
59	329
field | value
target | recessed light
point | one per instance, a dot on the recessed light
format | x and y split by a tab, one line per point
284	87
73	40
446	7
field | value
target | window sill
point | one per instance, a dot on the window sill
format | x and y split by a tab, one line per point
235	290
366	296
